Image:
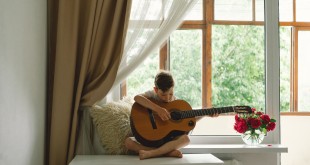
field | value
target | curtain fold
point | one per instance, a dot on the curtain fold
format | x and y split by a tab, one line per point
85	46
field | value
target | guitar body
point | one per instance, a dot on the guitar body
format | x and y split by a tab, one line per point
150	130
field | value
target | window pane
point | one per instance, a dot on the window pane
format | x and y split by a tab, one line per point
142	79
285	59
238	73
303	71
196	12
233	10
186	64
286	10
259	10
302	11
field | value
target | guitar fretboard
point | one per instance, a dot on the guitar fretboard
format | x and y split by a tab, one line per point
204	112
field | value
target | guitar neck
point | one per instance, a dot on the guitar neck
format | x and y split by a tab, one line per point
204	112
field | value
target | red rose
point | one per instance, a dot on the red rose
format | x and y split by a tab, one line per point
265	118
253	110
241	126
237	118
255	123
271	126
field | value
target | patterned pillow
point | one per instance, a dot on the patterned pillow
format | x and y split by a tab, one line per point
112	121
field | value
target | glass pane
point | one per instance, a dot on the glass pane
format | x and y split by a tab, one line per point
259	10
302	11
142	79
286	10
196	12
238	74
303	71
285	59
233	10
238	61
186	64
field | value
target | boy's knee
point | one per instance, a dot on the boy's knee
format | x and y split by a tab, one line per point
185	139
128	142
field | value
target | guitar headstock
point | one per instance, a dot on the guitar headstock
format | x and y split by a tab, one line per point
242	109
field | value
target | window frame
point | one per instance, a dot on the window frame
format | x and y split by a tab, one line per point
206	26
272	75
296	26
272	63
294	71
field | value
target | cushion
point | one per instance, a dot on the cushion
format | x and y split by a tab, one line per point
112	121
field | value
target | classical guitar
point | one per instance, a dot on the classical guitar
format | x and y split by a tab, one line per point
150	130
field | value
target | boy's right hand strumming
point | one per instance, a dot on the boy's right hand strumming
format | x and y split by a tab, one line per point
163	113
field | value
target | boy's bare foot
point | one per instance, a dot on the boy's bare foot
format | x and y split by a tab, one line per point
144	154
175	153
148	154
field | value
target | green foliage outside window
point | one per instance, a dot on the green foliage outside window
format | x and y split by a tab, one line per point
238	67
186	64
285	59
142	79
238	74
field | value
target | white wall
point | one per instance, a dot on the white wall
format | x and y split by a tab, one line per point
295	135
22	81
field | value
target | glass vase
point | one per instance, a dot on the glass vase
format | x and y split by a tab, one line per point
253	137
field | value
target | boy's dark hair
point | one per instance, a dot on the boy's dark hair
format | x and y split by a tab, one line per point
164	80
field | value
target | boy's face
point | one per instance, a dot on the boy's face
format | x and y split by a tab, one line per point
164	96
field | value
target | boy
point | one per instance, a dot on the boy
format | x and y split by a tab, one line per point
163	91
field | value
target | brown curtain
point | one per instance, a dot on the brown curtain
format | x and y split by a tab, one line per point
85	45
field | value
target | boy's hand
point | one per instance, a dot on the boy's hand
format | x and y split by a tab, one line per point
163	114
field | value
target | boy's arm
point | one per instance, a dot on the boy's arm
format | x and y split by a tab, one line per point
144	101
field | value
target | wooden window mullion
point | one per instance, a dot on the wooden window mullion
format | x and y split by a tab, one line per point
294	71
208	16
164	56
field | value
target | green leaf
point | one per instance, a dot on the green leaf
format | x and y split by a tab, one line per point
273	120
265	131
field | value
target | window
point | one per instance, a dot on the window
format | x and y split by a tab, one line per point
303	69
301	84
233	10
232	60
186	64
294	30
225	63
142	78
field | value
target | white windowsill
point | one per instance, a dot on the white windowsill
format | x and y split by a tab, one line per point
234	148
193	154
188	159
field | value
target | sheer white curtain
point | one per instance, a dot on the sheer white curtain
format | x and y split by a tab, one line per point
151	23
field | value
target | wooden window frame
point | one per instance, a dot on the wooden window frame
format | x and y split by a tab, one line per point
206	26
294	71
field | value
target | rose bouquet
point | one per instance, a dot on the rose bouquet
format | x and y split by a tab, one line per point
254	126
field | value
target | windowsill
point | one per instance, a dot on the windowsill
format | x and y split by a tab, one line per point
188	159
195	154
234	148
